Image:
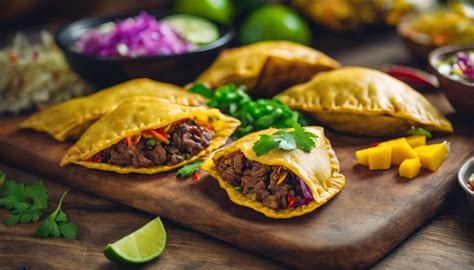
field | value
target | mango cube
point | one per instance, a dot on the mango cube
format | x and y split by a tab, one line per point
433	155
380	157
362	156
416	140
401	150
410	168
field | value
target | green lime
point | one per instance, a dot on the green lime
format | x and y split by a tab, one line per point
141	246
274	22
194	29
218	10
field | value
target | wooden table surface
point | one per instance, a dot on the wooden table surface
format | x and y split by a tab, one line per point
447	241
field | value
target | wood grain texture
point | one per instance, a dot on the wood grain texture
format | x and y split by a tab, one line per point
373	213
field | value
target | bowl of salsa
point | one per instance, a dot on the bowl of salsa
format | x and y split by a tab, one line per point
161	45
454	68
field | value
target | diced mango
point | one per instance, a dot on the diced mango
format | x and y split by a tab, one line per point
362	156
433	155
410	168
380	158
416	140
401	150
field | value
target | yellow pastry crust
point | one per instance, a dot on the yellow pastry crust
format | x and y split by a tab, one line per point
319	169
71	118
266	67
136	115
363	101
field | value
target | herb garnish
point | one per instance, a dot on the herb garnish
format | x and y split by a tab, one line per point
25	202
286	140
419	131
189	169
253	114
57	224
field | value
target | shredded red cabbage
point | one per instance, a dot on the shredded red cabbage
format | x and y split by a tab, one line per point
308	197
142	35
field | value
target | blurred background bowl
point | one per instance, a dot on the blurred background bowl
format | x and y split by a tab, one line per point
459	93
102	72
464	174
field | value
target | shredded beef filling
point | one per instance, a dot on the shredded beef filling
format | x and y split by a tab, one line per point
187	138
259	181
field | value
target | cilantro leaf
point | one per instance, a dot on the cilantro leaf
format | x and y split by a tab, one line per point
25	202
57	224
285	140
419	131
189	169
264	145
304	139
202	90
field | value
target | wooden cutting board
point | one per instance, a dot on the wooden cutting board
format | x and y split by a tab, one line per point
375	211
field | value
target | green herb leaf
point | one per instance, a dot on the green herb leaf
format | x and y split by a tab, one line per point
3	177
264	145
151	142
25	202
305	140
282	139
57	224
189	169
201	90
419	131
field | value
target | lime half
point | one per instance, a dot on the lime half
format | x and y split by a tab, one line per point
141	246
194	29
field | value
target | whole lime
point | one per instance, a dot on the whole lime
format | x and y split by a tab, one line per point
274	22
218	10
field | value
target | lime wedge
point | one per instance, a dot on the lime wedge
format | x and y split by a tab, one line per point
141	246
194	29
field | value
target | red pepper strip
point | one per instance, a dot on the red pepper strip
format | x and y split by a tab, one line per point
159	137
97	159
290	200
128	141
162	133
471	184
411	75
196	176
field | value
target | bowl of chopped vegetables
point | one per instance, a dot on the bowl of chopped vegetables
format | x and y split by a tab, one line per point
466	179
454	68
161	45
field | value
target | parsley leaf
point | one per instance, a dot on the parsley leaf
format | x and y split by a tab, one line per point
25	202
285	140
189	169
57	224
419	131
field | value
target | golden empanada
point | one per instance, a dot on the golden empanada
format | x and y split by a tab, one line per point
279	184
149	135
71	118
266	67
365	102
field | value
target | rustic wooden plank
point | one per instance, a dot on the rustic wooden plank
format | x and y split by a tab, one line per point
101	221
373	213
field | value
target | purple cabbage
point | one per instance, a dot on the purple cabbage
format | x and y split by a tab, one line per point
308	197
142	35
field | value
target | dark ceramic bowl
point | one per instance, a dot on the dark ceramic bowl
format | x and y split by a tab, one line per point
102	72
464	174
459	93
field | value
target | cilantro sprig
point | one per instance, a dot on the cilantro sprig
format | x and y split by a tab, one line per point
57	224
28	202
189	169
25	202
286	140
